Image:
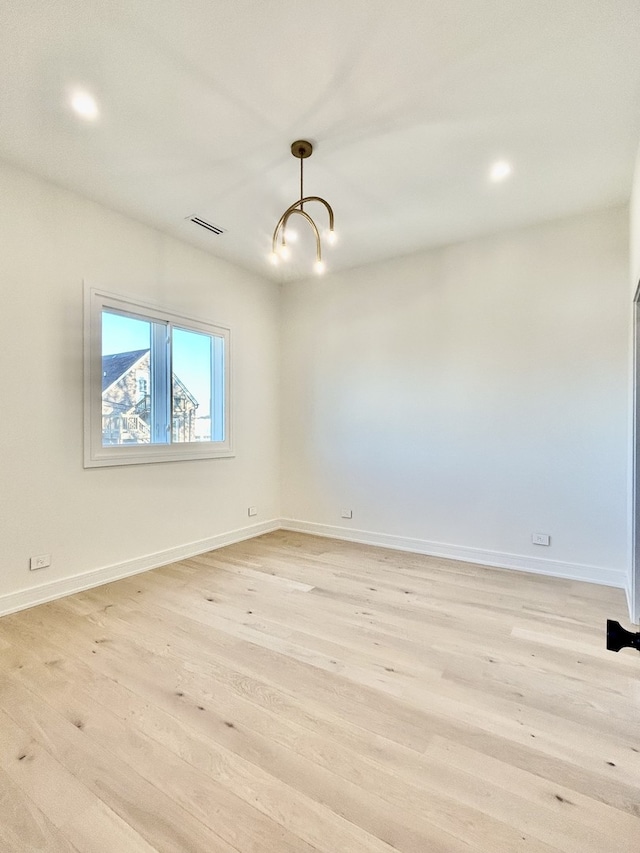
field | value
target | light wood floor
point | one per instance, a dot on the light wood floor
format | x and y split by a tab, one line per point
293	694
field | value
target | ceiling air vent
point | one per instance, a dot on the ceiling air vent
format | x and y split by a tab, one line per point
198	220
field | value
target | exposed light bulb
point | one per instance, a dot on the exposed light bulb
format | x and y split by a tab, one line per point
319	267
331	237
500	171
84	105
292	235
285	253
274	258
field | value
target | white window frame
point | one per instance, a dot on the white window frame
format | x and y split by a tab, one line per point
97	300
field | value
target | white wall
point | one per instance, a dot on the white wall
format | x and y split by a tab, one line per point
459	400
100	518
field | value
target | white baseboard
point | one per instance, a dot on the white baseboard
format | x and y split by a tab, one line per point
497	559
21	600
14	601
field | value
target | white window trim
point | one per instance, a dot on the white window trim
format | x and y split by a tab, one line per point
95	455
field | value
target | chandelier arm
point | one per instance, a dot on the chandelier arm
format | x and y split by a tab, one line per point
280	222
300	212
294	206
326	204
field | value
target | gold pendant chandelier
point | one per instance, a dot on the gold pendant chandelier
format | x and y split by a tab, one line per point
279	246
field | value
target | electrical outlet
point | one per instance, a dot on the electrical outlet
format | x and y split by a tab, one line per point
253	510
540	538
40	562
346	513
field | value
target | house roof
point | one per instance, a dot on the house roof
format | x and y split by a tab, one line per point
116	365
113	366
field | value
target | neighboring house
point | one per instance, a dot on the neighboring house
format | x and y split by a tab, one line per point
126	401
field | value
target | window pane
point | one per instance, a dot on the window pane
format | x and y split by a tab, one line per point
191	383
126	380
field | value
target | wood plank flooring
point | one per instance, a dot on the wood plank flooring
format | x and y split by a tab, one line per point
293	694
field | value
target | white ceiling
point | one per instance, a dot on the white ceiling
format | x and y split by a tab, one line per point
408	103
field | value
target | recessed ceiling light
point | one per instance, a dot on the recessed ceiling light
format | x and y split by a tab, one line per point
500	171
84	105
